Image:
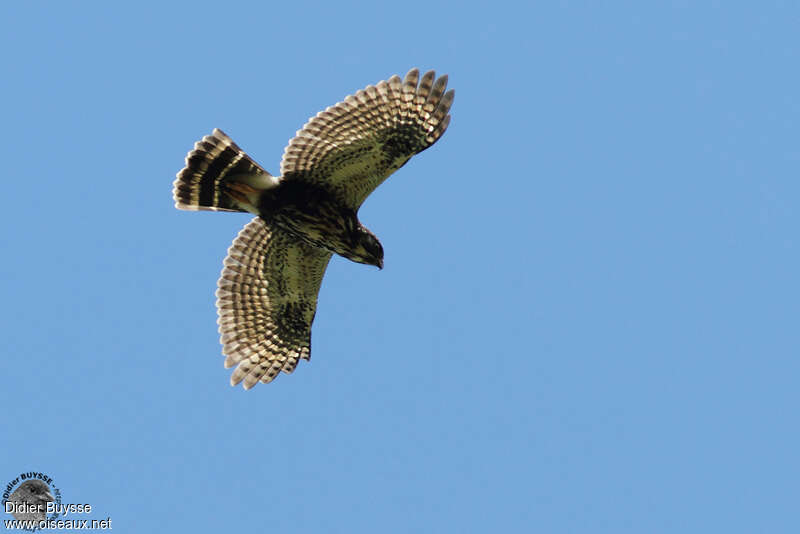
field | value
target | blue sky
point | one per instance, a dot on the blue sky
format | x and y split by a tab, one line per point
588	318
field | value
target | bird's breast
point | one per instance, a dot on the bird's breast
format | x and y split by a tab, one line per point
311	215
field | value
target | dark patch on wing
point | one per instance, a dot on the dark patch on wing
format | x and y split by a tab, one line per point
291	319
402	142
266	301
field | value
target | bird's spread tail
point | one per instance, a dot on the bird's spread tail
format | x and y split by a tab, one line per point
219	176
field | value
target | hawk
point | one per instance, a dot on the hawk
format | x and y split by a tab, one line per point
267	292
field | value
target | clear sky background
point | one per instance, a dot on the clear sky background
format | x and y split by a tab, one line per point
588	319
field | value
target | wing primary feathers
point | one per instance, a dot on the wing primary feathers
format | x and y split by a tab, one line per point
425	84
349	149
444	105
410	82
267	275
437	91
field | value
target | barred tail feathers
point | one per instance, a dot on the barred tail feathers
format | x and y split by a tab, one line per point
220	176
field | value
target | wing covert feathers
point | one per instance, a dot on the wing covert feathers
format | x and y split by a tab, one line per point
352	147
266	301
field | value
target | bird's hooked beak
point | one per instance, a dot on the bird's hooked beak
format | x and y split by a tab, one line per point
380	264
48	496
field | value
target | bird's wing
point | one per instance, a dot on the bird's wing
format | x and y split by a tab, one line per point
266	301
352	147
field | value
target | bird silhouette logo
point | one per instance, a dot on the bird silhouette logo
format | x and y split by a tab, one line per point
27	497
30	500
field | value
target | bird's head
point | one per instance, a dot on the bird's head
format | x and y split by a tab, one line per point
366	248
35	491
33	495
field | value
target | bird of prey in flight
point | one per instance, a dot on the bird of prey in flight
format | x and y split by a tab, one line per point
267	292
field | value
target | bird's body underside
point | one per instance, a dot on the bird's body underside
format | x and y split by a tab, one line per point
267	293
